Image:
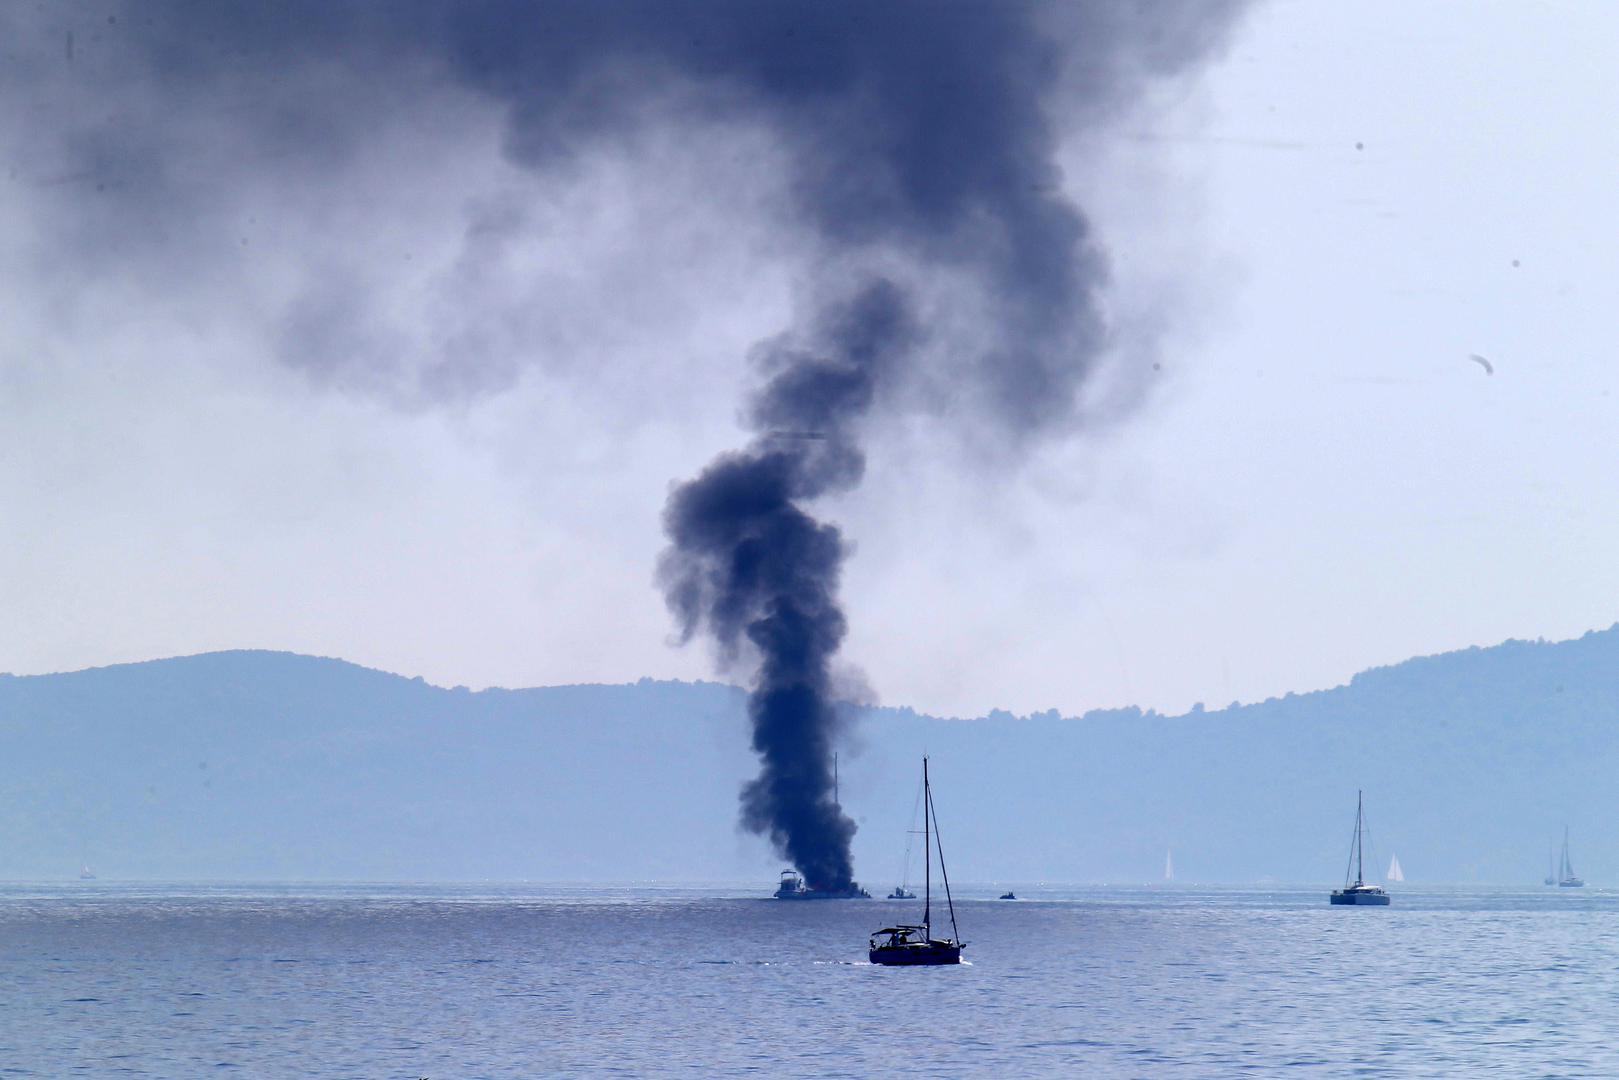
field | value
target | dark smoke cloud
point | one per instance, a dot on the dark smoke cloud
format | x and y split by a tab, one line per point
913	128
920	140
746	562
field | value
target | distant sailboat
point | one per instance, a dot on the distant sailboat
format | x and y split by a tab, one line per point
1359	893
1551	868
1395	873
1566	877
902	891
1169	866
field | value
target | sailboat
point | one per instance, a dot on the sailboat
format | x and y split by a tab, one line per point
902	890
1359	893
1169	866
906	945
1566	878
1551	872
1395	873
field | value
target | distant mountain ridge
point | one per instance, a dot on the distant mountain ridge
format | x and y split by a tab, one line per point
267	765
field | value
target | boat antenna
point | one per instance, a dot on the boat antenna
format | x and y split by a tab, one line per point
927	855
955	934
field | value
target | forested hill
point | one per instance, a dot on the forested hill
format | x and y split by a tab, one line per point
266	765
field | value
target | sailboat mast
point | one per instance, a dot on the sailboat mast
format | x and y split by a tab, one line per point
927	855
1360	874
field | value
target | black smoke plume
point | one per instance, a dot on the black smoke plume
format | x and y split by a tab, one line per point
920	141
747	563
924	131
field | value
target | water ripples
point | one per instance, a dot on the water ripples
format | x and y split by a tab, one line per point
383	981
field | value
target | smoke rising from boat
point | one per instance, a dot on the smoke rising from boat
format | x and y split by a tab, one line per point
929	138
748	564
919	142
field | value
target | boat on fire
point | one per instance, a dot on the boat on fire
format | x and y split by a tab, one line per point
793	887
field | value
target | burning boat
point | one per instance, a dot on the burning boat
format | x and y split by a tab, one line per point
792	887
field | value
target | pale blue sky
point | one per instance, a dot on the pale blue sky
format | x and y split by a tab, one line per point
1319	481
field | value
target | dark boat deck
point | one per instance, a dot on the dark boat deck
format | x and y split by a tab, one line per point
910	945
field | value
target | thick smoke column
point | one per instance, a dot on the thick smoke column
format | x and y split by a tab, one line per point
918	140
747	562
925	134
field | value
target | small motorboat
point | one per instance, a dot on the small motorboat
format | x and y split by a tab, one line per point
1008	895
901	893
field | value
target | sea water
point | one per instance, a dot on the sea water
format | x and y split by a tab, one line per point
102	979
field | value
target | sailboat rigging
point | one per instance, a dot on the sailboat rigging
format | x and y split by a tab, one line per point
1359	893
908	945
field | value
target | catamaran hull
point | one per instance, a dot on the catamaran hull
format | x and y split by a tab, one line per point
1361	899
917	955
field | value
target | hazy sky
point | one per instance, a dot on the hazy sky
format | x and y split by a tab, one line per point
1308	236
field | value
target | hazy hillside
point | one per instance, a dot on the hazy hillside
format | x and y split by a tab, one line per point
271	765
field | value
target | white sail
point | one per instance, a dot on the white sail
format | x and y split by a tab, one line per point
1395	873
1169	866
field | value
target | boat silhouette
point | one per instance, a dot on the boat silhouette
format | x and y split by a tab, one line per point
1566	877
906	945
1358	893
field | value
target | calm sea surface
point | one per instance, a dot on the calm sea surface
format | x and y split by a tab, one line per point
452	982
